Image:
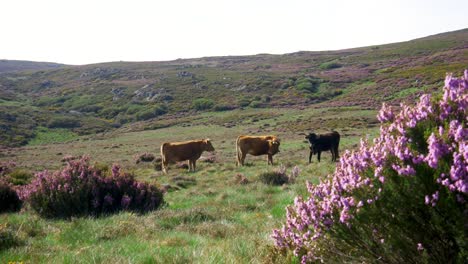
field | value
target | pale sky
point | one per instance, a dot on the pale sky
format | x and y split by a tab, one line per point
91	31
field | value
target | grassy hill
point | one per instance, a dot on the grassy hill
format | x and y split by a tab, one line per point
17	65
210	216
147	95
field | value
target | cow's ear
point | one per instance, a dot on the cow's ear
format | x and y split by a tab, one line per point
207	140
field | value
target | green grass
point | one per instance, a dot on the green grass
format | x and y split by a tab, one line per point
47	136
209	217
212	219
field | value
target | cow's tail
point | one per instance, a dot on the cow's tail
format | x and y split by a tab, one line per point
163	156
238	151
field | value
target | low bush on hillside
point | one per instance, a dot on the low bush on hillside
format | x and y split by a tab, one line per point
223	107
401	200
9	200
63	122
329	65
144	157
152	112
202	104
80	189
307	84
19	177
279	176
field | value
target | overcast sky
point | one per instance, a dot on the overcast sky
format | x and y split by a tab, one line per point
90	31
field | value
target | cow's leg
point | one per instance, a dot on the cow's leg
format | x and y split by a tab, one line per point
164	166
310	156
189	162
332	151
242	159
270	159
318	155
337	156
194	162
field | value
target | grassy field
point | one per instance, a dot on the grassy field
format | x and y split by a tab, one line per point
209	216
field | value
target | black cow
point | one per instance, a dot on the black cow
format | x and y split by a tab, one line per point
319	143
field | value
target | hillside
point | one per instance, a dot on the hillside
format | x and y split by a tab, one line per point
147	95
17	65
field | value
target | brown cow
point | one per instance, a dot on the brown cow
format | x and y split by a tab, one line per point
256	146
181	151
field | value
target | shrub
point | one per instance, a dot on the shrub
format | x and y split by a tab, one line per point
63	122
255	104
240	179
222	107
402	200
9	200
202	104
151	113
144	157
329	65
8	238
19	177
279	176
307	84
80	190
243	102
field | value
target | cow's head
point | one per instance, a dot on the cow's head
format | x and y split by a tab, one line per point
273	146
312	138
207	145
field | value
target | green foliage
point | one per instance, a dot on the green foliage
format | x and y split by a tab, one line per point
45	135
63	122
243	102
113	111
393	226
8	238
222	107
152	112
330	65
307	84
202	104
19	177
255	104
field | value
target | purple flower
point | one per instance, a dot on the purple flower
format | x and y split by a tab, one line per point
125	201
108	200
420	247
363	171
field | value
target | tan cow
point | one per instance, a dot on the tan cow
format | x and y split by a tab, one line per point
181	151
256	146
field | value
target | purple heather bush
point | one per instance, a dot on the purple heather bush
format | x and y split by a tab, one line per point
80	189
402	199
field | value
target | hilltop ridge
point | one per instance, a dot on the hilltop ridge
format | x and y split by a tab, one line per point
93	98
